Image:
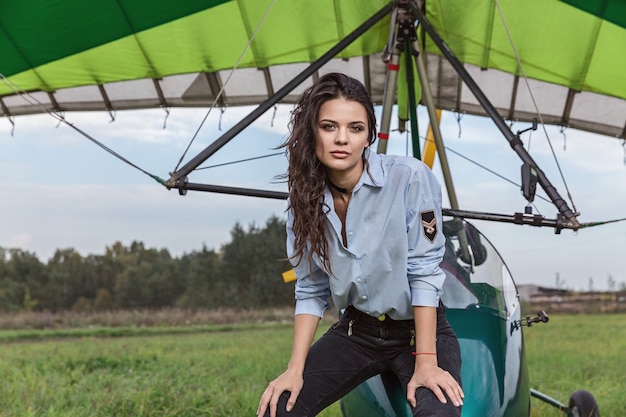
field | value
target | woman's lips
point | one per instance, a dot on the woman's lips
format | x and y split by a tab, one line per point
340	154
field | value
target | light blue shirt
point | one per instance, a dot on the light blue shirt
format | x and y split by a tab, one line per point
391	261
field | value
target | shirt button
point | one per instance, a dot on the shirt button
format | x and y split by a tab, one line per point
358	280
364	297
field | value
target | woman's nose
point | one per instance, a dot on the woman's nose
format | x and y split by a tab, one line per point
341	136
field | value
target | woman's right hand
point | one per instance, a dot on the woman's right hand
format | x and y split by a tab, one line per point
291	380
288	381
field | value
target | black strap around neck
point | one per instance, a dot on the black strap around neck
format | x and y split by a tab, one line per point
340	189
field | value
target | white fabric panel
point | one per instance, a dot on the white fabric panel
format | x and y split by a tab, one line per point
282	74
125	91
36	102
174	87
244	82
76	95
496	85
589	111
604	110
549	98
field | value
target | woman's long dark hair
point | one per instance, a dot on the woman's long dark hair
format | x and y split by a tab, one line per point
306	176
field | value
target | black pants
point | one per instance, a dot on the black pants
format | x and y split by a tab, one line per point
358	347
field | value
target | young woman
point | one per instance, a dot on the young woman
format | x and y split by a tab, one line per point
365	230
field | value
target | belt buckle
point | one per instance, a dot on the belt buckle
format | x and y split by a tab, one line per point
382	318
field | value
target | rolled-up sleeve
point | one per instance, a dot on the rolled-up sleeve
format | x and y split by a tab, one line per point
312	290
312	294
424	255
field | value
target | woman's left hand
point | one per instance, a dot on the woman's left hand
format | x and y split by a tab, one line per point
439	381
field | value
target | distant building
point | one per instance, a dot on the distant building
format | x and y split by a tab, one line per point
530	292
537	298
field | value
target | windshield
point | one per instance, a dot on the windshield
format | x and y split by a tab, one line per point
476	276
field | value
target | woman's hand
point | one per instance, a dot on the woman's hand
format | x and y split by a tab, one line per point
288	381
291	380
427	374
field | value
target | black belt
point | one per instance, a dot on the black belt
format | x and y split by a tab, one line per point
383	320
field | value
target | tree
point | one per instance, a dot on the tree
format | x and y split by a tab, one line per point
198	273
559	283
233	280
103	301
167	283
611	283
245	273
23	272
29	303
252	265
66	281
271	261
149	278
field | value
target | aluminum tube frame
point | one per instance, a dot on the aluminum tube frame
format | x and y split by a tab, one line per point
537	220
427	97
565	220
176	178
491	111
221	189
391	78
518	218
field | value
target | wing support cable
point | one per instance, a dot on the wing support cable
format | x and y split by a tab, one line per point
177	178
566	219
532	96
221	91
58	115
516	144
255	158
106	148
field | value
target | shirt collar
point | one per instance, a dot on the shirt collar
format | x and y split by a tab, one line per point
374	174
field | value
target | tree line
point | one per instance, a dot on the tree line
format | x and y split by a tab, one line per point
244	273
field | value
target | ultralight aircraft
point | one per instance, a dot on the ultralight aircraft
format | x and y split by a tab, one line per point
534	61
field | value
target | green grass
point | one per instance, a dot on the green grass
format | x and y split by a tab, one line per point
221	371
205	374
573	352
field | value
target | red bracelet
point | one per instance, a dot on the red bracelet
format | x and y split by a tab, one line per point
423	353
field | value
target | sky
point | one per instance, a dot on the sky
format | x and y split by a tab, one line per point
59	190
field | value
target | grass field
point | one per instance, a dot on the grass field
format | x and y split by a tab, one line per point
221	370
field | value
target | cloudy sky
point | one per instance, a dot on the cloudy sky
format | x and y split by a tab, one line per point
59	190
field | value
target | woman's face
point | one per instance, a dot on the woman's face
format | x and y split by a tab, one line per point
342	136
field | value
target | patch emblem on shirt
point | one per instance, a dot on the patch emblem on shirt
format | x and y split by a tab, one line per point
429	224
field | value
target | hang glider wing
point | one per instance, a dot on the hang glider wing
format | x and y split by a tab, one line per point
111	54
124	54
575	59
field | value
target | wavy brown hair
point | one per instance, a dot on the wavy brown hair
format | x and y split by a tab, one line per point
306	176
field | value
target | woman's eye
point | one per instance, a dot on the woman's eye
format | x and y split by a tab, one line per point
327	126
357	128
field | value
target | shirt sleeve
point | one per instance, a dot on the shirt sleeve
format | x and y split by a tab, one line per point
426	242
312	290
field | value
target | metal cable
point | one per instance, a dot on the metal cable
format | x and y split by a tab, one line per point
543	126
217	97
17	90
